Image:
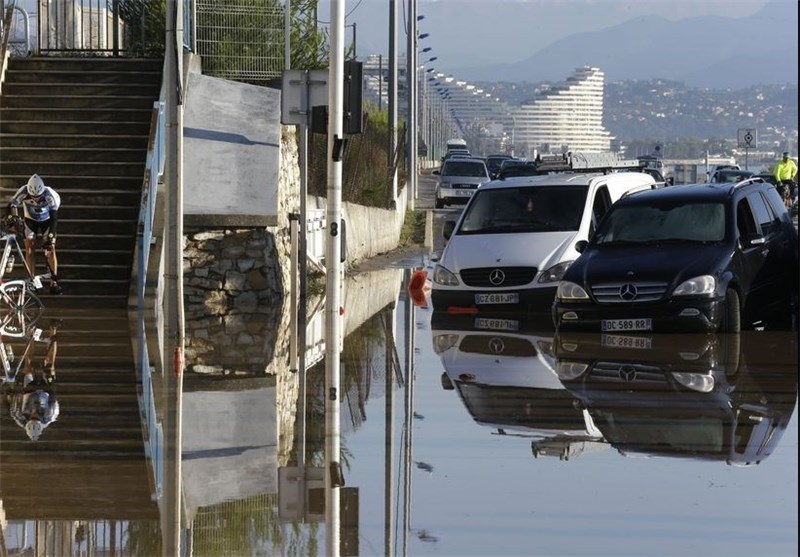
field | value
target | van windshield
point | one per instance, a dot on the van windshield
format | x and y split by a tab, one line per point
525	209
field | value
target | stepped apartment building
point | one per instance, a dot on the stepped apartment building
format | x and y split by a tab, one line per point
566	117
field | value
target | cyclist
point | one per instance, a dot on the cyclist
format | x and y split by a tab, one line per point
786	175
34	403
40	204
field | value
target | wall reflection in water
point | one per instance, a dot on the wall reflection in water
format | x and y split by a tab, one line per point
95	481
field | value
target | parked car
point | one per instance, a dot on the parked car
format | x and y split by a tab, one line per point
734	175
707	257
458	180
493	163
515	238
518	168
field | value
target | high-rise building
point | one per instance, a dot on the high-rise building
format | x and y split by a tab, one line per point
565	117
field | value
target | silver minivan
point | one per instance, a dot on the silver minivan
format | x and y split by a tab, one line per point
516	237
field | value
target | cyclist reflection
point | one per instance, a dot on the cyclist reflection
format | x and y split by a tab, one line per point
34	401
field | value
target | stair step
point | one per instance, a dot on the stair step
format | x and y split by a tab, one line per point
75	154
73	102
45	168
47	115
73	127
36	76
75	186
65	141
68	89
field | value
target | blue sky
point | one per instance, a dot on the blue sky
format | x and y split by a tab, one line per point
483	32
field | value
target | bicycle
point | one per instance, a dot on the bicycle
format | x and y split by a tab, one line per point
17	295
785	188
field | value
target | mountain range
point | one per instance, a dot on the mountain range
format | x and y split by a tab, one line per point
706	51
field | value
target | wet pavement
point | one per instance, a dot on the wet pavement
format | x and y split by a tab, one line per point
458	436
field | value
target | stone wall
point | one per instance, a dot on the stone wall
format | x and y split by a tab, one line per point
236	302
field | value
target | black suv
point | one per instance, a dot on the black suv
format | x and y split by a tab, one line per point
707	257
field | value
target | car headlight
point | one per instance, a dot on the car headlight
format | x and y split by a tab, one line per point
555	273
444	342
568	371
699	382
570	291
444	277
698	286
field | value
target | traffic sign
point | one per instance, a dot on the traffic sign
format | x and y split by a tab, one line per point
748	138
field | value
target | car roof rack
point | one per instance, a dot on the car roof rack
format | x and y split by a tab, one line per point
584	162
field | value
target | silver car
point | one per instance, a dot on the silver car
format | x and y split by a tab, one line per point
458	180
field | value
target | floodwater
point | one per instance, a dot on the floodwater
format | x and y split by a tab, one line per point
458	437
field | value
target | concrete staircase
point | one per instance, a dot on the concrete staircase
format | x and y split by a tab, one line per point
90	463
83	125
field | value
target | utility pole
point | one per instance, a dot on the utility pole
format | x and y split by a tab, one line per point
333	251
411	91
174	317
392	154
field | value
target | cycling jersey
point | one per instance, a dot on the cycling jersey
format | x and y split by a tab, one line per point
37	208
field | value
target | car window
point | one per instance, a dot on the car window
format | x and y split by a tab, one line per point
687	222
763	214
524	209
464	168
775	201
745	222
602	201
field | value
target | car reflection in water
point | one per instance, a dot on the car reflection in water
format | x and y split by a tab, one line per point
709	397
504	372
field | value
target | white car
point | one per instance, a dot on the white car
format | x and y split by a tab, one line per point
458	179
516	237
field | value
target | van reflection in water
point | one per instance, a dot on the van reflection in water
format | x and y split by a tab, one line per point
708	397
504	372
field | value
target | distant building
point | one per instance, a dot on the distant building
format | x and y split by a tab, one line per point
565	117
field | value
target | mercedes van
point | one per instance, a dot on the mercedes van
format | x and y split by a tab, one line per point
516	237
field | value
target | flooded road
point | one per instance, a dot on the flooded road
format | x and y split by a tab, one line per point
459	436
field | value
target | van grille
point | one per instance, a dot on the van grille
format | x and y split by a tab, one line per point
629	292
497	345
503	276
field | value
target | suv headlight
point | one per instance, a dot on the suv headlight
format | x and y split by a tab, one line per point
444	277
568	371
570	291
555	273
698	286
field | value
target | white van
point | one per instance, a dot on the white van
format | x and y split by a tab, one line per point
516	237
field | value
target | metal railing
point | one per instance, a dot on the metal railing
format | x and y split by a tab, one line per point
80	25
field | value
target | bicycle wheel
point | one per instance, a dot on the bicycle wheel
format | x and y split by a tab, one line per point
23	303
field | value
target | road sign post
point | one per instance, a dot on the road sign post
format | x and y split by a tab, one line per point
747	139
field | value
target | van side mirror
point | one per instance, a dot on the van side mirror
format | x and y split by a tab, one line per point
435	172
447	230
581	245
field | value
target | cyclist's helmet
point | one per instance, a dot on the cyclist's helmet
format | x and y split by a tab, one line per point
35	186
34	429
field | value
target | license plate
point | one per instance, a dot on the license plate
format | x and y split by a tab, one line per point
497	298
626	325
465	193
496	324
622	341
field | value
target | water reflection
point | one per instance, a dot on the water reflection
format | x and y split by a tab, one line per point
438	415
711	397
503	370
